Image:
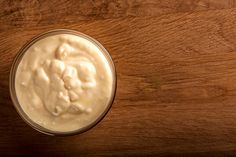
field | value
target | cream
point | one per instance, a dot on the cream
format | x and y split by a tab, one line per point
64	82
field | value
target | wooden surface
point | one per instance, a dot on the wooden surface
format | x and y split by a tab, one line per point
176	68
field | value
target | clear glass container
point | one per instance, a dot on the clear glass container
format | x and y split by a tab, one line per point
14	67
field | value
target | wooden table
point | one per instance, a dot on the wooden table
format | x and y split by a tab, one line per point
176	69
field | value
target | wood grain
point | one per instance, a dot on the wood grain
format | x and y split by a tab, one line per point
176	69
28	13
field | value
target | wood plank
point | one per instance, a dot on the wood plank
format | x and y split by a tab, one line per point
25	14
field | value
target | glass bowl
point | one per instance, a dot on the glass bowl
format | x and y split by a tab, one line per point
14	67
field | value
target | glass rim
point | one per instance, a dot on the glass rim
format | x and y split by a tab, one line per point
17	60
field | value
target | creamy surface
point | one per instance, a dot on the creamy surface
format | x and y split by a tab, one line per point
63	82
